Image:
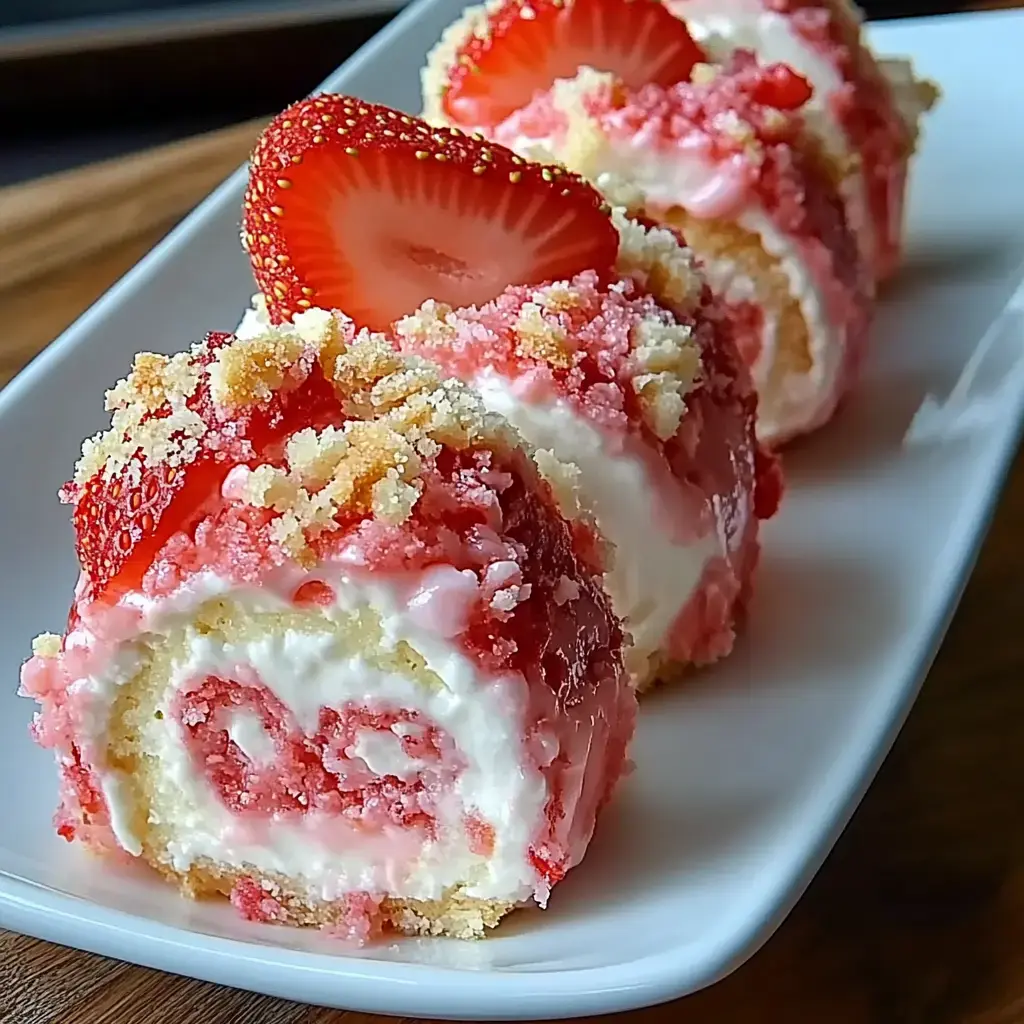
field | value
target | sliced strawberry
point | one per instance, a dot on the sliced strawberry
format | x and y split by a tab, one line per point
526	46
358	207
121	523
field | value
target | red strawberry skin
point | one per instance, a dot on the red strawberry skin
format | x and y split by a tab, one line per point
120	525
526	46
122	520
358	207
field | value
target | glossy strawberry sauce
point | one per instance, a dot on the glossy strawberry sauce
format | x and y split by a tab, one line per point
711	475
481	511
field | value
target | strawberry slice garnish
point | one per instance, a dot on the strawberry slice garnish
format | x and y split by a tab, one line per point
123	519
526	46
357	207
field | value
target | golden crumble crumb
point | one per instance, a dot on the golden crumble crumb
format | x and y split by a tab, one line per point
557	297
669	361
46	645
313	457
659	263
396	387
564	480
154	382
365	361
540	338
270	487
250	370
393	498
429	326
703	74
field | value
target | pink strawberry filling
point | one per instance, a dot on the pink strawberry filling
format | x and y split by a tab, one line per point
316	772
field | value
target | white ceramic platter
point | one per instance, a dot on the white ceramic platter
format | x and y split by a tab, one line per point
744	778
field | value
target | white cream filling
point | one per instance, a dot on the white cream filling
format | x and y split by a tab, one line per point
485	717
652	573
246	730
254	320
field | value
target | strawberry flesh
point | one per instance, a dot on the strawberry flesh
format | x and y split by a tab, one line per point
356	207
526	47
782	88
122	520
121	525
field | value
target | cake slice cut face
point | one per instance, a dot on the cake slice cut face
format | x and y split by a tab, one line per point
335	653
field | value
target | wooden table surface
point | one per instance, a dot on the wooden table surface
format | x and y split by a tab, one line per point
916	918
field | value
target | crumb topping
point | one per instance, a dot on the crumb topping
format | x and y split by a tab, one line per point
660	263
157	384
542	338
47	645
250	370
598	347
564	480
370	465
402	413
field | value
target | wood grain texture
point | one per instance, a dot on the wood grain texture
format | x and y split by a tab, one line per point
916	918
60	220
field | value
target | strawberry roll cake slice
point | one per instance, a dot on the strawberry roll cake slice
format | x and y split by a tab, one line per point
334	652
866	112
722	155
618	368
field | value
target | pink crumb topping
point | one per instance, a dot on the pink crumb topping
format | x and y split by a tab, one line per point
593	371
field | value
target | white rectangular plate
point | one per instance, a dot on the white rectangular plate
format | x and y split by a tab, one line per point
744	777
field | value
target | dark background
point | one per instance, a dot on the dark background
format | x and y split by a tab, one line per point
66	109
